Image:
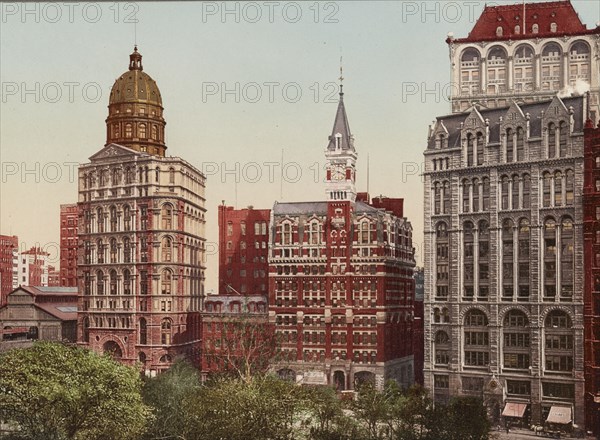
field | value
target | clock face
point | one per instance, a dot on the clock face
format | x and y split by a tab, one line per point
338	174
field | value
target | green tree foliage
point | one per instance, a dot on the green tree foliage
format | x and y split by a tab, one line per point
168	395
53	392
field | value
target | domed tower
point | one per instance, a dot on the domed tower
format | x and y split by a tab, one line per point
135	111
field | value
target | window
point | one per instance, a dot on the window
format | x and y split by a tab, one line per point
517	342
142	131
171	175
567	258
442	259
437	194
314	233
550	258
440	382
447	201
167	246
523	259
484	260
486	193
508	259
526	199
128	130
113	250
515	191
126	282
466	193
546	189
505	192
510	145
127	217
476	188
165	332
286	233
243	228
166	281
99	283
365	232
558	345
518	388
167	216
552	140
469	260
476	347
143	331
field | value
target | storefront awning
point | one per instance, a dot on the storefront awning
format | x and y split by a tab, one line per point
559	414
513	409
8	331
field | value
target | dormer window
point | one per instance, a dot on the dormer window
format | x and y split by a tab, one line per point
338	141
517	29
553	27
499	31
535	28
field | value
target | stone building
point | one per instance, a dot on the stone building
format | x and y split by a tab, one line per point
341	284
141	235
504	270
591	231
33	267
527	52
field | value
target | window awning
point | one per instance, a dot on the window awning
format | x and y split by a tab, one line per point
559	414
8	331
513	409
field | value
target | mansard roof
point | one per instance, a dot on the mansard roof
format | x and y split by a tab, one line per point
561	13
319	208
536	110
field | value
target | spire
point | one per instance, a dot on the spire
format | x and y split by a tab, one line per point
341	137
135	60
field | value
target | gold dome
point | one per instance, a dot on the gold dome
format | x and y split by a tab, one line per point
135	85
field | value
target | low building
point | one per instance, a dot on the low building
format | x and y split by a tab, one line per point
47	313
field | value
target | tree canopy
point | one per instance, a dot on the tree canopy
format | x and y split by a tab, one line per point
52	391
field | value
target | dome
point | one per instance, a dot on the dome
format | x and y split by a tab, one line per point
135	85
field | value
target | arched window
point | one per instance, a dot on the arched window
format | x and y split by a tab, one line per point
100	220
165	332
486	193
128	130
524	239
558	346
517	29
515	191
499	31
479	148
114	251
563	132
126	282
523	69
510	145
535	28
128	175
526	191
154	132
551	140
171	175
475	187
469	72
143	331
520	144
505	192
142	131
126	250
113	282
127	218
442	260
551	66
115	176
166	280
167	249
476	340
496	70
469	260
466	195
447	200
167	216
579	62
558	187
569	187
517	340
567	259
508	260
549	259
484	259
99	282
546	189
470	149
100	251
442	348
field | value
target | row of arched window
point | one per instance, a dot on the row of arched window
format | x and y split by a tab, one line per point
123	175
139	131
495	77
515	341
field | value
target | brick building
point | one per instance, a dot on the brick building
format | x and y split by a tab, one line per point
53	277
68	245
243	250
141	236
9	265
341	284
591	230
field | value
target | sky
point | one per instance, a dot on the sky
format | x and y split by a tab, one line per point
249	91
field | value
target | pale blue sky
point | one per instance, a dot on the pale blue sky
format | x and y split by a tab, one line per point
191	49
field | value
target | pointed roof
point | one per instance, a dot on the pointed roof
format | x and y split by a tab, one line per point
341	127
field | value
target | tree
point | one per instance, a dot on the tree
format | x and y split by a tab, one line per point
326	419
168	395
52	391
244	346
464	418
372	408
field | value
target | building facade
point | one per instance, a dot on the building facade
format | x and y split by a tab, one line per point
504	258
527	52
243	250
9	265
591	230
33	267
69	217
141	236
341	284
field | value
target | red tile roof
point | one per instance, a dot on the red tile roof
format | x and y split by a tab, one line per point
543	14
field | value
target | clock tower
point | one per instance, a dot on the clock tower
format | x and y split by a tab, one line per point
341	158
